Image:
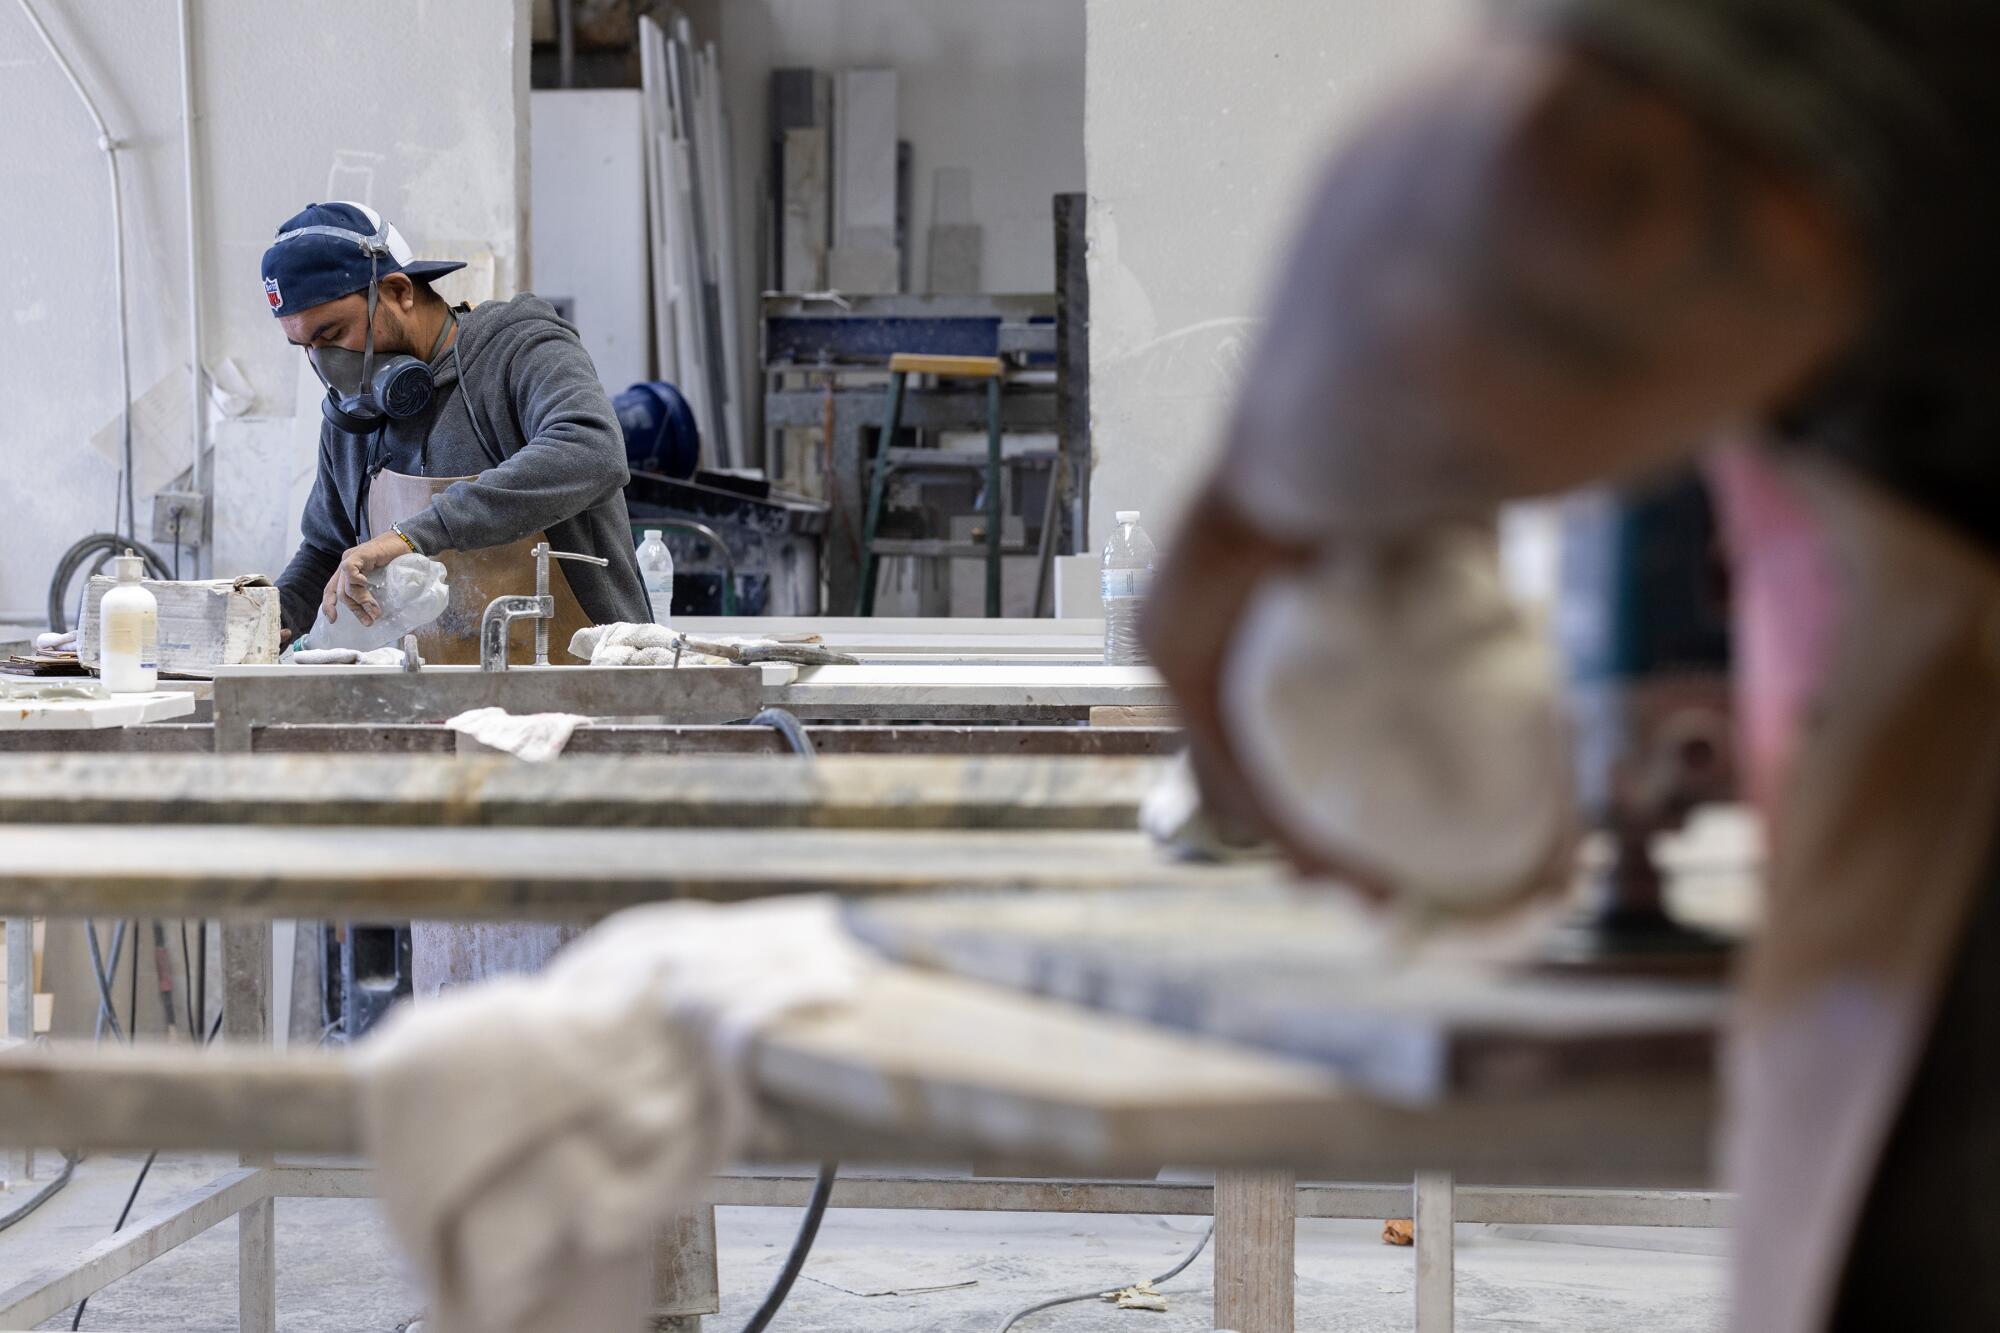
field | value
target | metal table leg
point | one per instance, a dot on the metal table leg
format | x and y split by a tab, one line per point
20	1162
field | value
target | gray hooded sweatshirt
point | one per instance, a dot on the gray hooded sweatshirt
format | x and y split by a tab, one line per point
547	455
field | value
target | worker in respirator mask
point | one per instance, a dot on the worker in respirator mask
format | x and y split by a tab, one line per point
463	434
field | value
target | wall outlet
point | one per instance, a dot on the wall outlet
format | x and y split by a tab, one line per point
180	511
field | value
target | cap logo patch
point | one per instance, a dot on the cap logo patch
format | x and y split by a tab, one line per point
272	294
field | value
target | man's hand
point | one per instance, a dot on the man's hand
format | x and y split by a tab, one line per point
349	585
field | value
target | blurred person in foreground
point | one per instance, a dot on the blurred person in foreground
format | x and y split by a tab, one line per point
1609	234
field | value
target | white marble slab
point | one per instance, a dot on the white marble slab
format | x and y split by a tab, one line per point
120	710
1026	685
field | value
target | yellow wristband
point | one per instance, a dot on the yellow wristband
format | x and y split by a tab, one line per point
397	528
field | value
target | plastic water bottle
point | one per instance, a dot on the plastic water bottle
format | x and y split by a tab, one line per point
656	571
411	591
1128	577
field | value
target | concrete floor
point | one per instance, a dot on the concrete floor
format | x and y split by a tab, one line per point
338	1270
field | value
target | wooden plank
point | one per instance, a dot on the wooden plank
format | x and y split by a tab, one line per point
1139	715
954	367
927	1069
685	1281
49	1292
636	792
1256	1228
1433	1216
533	874
1314	976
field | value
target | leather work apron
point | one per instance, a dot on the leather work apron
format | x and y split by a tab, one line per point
444	953
475	579
1880	844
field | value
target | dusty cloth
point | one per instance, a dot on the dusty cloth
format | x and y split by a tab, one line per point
534	737
1396	712
56	641
531	1133
661	645
532	430
346	657
628	644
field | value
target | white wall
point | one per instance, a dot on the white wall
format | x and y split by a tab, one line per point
1204	122
419	109
996	88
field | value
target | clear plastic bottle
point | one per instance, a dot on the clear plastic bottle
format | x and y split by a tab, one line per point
129	632
1127	578
412	592
656	571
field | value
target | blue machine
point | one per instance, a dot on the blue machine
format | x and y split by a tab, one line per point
660	431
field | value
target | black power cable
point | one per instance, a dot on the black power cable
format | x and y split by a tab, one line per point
42	1195
801	1247
1098	1295
788	726
104	545
132	1195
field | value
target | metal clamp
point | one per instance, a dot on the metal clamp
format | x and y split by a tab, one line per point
498	620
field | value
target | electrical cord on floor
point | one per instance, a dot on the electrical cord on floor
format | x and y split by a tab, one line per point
1097	1294
103	545
801	1247
42	1195
794	732
132	1195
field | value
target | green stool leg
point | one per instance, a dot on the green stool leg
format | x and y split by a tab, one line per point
864	598
993	499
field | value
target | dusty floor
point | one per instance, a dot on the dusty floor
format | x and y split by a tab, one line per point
339	1274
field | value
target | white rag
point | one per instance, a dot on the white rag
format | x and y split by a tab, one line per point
56	641
531	1133
1393	708
629	644
345	657
535	737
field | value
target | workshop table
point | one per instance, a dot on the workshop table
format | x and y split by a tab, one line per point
1050	1084
67	715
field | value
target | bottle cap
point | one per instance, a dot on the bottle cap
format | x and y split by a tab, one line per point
130	567
652	534
1128	516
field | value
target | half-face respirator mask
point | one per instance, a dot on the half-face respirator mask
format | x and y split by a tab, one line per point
362	392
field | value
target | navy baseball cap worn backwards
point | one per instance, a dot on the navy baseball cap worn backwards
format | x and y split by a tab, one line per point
331	250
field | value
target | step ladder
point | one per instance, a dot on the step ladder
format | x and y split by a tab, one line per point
887	460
